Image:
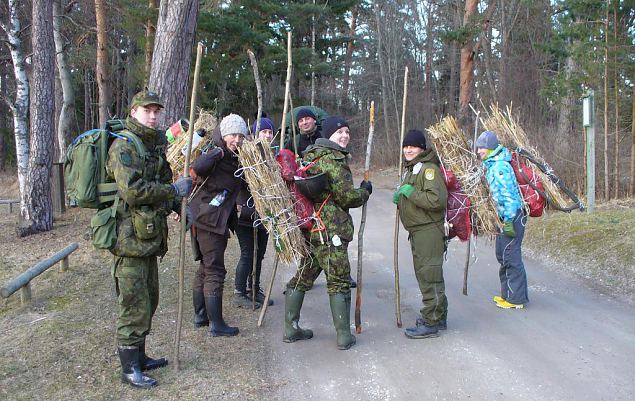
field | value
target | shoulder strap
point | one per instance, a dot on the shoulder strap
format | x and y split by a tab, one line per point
130	137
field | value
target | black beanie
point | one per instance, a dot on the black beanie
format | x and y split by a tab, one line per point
332	124
305	112
414	137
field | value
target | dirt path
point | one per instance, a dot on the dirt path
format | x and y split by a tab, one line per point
569	343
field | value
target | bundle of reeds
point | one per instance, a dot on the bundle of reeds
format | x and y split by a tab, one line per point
455	154
272	199
511	135
207	121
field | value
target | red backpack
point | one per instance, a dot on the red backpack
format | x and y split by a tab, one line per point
525	175
458	209
302	205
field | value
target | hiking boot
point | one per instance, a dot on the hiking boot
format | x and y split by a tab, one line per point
260	297
131	368
218	327
422	330
341	312
292	304
242	300
200	314
498	299
148	363
508	305
442	324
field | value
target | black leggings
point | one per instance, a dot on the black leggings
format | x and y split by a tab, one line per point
245	263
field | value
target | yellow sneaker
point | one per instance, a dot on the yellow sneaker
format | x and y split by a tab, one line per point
498	299
507	305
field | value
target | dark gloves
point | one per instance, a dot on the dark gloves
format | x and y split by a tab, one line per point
367	185
182	186
508	229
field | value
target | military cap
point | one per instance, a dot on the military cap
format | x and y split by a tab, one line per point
145	98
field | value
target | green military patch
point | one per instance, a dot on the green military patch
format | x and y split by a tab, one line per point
126	159
429	174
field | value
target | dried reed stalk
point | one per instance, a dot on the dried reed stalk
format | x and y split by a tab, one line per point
175	157
272	199
455	154
511	135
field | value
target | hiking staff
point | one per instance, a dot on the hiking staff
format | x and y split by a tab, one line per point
254	65
396	238
261	318
362	224
469	239
186	172
287	91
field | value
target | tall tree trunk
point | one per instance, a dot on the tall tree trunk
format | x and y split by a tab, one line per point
606	105
313	56
617	105
150	32
631	185
67	124
349	53
88	120
452	87
173	55
20	107
102	67
388	127
4	125
38	215
467	61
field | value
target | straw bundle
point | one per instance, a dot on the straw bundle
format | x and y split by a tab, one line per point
272	199
455	154
175	157
511	135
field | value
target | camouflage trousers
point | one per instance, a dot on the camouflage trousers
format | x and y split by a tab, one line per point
428	247
333	260
137	288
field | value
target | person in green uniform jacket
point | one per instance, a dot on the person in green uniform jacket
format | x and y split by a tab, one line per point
422	200
147	196
328	245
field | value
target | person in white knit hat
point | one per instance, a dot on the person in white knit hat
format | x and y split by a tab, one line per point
214	212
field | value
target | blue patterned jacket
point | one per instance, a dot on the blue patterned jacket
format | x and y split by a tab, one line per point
502	183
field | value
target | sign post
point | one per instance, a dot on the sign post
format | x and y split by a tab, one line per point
588	121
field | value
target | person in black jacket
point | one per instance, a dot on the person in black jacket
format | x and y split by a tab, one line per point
214	212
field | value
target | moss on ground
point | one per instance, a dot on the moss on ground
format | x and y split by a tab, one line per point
596	246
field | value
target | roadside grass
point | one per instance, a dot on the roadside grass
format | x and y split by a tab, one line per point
598	247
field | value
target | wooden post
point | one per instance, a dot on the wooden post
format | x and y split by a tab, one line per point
57	189
65	264
25	294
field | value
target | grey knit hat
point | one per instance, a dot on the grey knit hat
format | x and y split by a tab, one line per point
233	124
487	140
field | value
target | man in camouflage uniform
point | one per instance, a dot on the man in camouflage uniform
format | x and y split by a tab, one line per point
328	245
422	200
146	198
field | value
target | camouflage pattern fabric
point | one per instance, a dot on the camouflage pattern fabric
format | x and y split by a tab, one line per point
328	157
137	288
144	187
333	260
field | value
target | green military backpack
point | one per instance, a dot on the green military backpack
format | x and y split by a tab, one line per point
85	165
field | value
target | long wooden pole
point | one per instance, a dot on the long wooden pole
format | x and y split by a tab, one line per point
396	237
265	303
186	172
287	91
254	65
362	225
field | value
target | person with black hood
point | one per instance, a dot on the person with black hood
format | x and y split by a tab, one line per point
422	199
214	212
310	131
329	239
246	233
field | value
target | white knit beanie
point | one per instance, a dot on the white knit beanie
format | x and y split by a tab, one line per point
233	124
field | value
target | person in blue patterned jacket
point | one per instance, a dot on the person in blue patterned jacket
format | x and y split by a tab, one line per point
506	194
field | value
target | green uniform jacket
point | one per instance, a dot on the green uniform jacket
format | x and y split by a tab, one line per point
426	206
330	158
144	188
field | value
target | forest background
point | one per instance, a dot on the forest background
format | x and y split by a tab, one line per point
68	65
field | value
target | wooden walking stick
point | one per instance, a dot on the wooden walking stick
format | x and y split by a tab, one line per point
265	303
396	238
186	172
362	225
287	92
469	239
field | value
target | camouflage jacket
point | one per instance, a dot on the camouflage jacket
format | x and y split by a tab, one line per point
426	206
144	189
330	158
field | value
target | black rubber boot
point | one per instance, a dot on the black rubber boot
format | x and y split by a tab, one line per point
292	305
131	368
148	363
341	312
422	330
217	327
200	314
